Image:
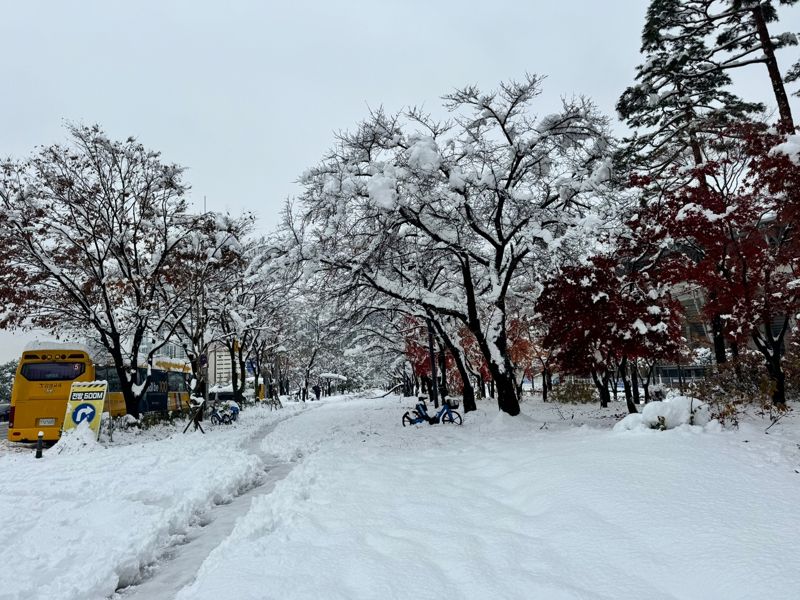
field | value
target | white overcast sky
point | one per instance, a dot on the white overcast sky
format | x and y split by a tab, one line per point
247	94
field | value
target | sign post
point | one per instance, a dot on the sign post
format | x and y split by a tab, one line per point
86	400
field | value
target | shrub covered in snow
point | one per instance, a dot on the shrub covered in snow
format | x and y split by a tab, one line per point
671	413
574	392
735	385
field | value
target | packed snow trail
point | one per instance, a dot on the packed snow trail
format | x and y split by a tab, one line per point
85	520
179	563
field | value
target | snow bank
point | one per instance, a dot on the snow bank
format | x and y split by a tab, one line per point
79	440
669	414
84	519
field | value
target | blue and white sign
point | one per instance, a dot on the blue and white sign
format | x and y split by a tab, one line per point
83	412
85	404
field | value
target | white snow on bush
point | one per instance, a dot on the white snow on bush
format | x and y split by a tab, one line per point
669	414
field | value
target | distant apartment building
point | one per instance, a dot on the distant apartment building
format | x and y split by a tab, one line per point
219	365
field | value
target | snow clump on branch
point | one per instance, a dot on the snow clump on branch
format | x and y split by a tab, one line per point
381	189
424	155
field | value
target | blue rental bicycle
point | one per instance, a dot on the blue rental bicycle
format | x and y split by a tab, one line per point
218	417
419	414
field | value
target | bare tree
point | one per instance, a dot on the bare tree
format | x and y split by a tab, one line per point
474	203
89	233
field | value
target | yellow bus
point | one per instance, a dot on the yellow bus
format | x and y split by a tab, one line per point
41	389
43	379
167	390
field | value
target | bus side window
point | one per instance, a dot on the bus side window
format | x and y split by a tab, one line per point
177	381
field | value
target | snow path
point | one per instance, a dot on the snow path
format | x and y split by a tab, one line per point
84	521
502	509
179	563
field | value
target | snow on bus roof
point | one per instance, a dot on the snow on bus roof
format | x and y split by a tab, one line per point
54	346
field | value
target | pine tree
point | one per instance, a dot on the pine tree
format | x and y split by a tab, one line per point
671	108
723	36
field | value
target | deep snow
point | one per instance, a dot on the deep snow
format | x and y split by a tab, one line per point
79	523
551	504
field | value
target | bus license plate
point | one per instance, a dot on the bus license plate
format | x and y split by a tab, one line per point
46	422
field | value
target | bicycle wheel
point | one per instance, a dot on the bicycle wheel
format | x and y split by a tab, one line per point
451	417
406	419
214	420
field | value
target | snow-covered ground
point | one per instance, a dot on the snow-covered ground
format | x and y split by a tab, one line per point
552	504
81	522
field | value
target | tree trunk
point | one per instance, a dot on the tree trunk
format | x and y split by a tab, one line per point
432	356
646	382
771	347
719	340
626	384
779	394
787	123
408	385
463	372
234	366
239	391
635	381
544	385
737	365
507	400
443	391
601	383
131	399
466	383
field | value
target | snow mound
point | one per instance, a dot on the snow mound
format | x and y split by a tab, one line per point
492	420
77	441
669	414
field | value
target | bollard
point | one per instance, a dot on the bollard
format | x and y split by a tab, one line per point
39	445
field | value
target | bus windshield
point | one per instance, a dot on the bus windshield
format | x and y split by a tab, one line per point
53	371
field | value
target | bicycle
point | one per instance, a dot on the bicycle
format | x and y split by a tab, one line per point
219	417
232	409
445	414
